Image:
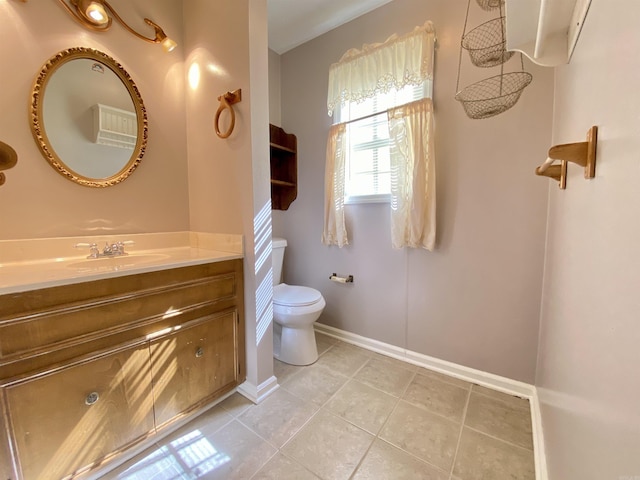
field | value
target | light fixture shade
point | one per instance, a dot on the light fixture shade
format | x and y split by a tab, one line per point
93	12
97	13
168	45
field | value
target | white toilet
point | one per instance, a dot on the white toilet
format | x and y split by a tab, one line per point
295	309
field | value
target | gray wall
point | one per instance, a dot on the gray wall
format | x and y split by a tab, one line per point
587	375
475	300
275	105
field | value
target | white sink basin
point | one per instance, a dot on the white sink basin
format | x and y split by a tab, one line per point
104	264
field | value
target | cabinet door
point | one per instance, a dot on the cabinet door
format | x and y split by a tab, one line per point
192	364
69	418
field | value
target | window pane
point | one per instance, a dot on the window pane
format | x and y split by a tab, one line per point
368	160
384	180
368	172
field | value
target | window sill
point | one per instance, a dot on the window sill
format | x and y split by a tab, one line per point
357	199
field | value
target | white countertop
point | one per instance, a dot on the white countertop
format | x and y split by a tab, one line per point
21	269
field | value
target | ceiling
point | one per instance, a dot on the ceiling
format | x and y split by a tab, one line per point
294	22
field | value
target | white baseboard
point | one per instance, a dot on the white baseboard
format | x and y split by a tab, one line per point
489	380
538	438
258	393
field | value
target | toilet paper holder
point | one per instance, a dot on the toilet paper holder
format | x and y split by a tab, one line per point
341	279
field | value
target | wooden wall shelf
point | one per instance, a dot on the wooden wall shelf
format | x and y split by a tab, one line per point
284	168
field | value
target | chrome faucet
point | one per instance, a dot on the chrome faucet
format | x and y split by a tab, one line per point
110	250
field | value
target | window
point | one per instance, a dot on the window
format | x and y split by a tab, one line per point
388	148
367	163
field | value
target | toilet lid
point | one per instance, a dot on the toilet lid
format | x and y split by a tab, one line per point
294	295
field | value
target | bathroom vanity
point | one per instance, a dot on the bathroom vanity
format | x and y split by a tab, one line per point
90	367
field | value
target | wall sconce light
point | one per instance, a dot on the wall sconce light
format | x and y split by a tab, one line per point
96	15
8	159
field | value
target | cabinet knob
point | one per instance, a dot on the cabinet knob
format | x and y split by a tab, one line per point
199	352
92	398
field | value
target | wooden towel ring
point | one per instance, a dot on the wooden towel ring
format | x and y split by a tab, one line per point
226	101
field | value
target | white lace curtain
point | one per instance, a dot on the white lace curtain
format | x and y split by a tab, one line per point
413	175
379	67
398	62
335	230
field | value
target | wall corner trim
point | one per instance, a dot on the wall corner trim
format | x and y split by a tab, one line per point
258	393
485	379
538	437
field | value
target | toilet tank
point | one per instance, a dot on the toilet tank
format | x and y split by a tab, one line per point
277	258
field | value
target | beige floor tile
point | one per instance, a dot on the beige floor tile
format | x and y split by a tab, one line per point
207	422
278	417
426	435
512	400
344	358
235	404
155	462
315	383
386	462
233	452
481	457
283	468
329	446
199	452
389	378
161	461
438	397
284	371
443	378
238	440
394	361
362	405
499	419
324	342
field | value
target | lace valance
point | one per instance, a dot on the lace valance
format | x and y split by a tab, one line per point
399	61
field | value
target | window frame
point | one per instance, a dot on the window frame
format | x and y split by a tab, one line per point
342	114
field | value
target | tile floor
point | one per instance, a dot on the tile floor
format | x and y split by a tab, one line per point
354	414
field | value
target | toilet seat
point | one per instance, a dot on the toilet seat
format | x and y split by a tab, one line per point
295	295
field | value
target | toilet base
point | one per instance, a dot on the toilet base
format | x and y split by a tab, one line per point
297	345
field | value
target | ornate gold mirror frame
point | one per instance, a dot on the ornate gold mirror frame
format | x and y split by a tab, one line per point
37	116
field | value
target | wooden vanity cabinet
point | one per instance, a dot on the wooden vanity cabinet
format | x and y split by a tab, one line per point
91	369
191	363
69	418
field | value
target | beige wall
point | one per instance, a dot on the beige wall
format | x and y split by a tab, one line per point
226	42
587	374
36	200
475	300
189	178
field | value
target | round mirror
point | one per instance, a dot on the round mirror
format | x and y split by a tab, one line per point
88	117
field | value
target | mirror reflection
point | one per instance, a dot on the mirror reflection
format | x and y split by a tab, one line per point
88	118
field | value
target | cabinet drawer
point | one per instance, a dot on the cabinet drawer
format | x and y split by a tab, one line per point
192	364
32	331
68	419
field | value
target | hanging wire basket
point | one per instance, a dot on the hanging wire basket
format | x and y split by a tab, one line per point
489	5
493	95
486	44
